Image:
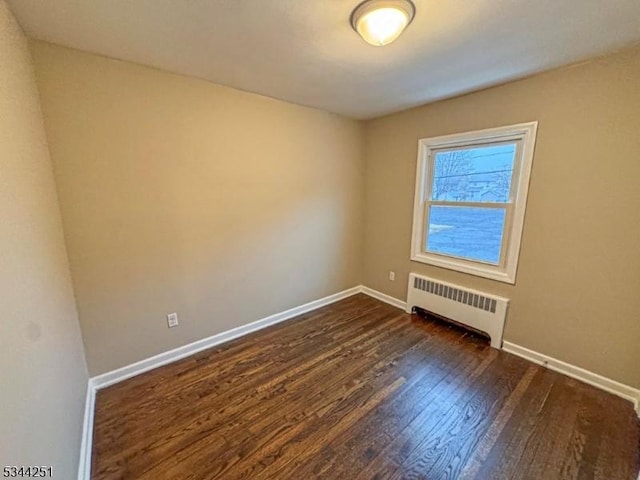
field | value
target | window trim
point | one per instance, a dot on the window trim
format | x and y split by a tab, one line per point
505	271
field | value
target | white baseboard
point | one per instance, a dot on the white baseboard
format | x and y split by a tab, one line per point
383	297
116	376
121	374
86	445
593	379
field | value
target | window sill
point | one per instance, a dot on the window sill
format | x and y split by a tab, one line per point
464	266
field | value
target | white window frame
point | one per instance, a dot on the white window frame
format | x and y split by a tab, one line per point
524	135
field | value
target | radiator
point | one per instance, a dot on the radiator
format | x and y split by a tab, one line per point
481	311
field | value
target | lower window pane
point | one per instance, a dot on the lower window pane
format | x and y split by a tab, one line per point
467	232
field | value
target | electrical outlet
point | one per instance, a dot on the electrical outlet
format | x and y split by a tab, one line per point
172	320
392	276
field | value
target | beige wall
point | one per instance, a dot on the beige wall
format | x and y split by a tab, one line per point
178	195
43	377
577	295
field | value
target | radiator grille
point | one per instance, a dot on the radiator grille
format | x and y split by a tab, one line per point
456	294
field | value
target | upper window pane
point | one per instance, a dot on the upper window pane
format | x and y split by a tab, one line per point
478	174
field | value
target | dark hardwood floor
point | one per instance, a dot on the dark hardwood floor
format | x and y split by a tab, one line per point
361	390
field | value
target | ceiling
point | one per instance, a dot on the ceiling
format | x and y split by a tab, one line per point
305	52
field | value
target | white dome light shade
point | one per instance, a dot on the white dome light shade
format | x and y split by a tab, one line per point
380	22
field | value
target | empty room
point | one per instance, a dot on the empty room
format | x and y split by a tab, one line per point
320	239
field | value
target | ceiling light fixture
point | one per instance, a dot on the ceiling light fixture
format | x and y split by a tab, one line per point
380	22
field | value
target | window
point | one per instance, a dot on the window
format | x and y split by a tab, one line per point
470	199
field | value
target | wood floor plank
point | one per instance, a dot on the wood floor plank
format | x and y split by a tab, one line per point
452	388
502	460
492	434
367	440
181	412
360	390
255	351
551	433
620	441
231	401
304	400
444	435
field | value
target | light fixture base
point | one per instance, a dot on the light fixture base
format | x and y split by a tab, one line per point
380	22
